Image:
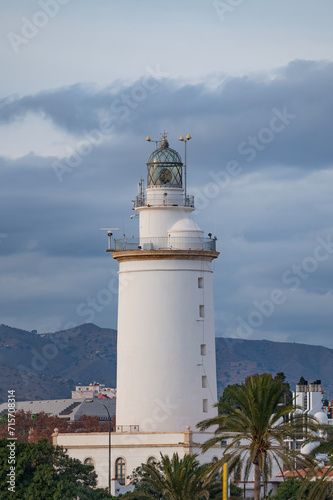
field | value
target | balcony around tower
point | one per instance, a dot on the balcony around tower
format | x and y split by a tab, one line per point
168	198
164	243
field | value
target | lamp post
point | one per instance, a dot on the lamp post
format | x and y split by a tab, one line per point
98	402
188	138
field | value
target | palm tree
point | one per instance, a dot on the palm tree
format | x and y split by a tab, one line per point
175	479
256	428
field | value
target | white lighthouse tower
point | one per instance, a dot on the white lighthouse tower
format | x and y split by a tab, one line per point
166	370
166	373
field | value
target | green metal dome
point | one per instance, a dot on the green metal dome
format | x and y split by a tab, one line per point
165	155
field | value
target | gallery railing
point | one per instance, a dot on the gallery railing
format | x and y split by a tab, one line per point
165	243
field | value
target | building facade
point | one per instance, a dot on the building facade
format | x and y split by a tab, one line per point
309	397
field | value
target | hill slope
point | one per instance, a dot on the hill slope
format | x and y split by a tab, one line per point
238	358
48	366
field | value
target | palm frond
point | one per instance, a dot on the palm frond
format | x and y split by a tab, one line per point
257	428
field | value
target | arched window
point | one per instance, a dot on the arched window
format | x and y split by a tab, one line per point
151	460
214	460
89	461
120	471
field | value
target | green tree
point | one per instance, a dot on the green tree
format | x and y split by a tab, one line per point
308	488
290	489
256	430
321	489
45	472
227	397
235	491
174	479
32	428
286	397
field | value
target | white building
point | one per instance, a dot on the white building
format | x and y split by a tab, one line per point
68	409
309	397
94	390
166	373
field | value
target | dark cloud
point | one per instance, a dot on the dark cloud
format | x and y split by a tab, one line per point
223	119
267	218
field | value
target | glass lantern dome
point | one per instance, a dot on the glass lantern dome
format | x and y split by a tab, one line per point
165	167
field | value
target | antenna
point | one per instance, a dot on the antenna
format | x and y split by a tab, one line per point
142	191
188	138
110	233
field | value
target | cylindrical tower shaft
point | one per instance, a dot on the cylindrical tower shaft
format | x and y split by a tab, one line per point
166	369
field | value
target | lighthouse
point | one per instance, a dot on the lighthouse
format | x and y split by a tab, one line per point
166	373
166	368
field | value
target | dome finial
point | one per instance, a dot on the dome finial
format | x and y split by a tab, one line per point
164	140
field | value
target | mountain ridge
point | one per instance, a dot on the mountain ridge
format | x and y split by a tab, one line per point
48	366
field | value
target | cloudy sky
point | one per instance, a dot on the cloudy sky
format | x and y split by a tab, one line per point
83	83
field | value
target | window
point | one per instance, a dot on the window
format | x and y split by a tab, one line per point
89	461
201	311
120	471
200	282
223	443
203	349
205	405
214	460
151	460
204	381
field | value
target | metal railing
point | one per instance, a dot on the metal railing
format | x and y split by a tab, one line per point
165	243
161	201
